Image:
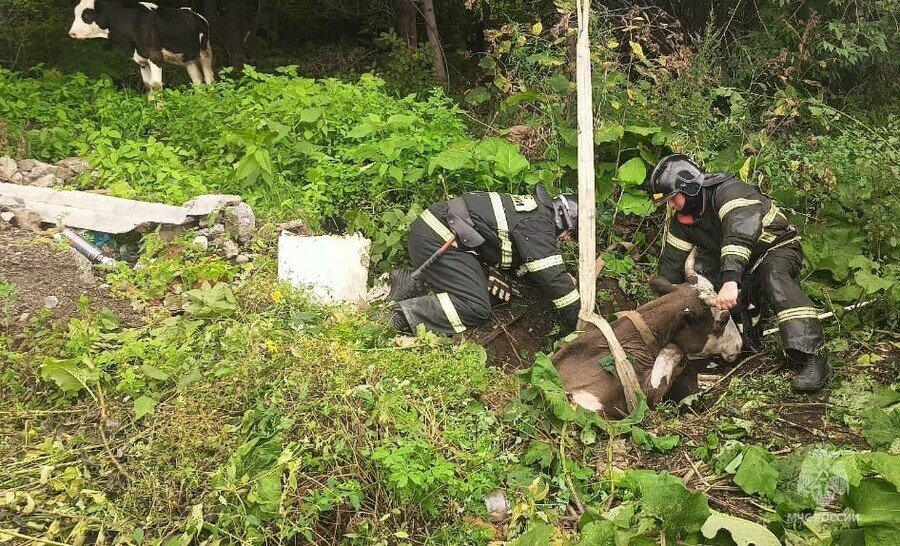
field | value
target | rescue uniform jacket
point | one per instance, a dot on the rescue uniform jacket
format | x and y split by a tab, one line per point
743	229
739	224
519	234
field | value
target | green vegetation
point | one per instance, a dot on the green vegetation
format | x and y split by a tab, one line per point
239	412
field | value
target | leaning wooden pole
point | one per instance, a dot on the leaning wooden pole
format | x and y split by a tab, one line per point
587	214
587	235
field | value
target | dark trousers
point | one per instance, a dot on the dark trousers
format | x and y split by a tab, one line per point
458	281
778	278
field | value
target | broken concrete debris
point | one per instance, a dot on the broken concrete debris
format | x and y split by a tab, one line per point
29	197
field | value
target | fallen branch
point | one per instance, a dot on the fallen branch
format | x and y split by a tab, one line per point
729	374
14	534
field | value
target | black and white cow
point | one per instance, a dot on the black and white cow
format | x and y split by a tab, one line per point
151	35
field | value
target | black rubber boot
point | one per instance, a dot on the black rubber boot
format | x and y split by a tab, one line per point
815	371
399	322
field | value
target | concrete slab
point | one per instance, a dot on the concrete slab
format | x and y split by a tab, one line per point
92	211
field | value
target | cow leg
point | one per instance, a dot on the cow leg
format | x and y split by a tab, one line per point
193	70
156	77
668	364
145	68
206	64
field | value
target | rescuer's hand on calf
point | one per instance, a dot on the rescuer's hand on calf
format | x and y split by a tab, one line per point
728	296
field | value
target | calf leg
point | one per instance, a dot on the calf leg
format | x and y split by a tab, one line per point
145	69
206	64
193	70
668	364
156	77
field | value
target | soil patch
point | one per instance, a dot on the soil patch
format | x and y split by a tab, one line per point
47	276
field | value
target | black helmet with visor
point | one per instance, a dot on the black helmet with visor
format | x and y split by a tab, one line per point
673	174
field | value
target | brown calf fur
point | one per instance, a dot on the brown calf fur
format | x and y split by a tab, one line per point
682	320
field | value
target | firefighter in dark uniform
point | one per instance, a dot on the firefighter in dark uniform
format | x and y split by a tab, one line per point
493	232
742	237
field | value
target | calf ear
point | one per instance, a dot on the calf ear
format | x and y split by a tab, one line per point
661	286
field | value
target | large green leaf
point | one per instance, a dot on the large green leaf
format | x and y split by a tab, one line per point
609	131
451	160
70	374
876	504
598	533
632	173
509	162
635	203
665	497
756	475
144	406
743	532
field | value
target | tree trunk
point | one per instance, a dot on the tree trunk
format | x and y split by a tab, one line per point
406	22
440	64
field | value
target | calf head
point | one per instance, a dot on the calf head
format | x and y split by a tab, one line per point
707	330
90	21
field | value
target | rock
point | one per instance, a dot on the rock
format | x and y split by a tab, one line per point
240	222
241	259
204	205
8	167
27	219
51	302
26	164
76	165
202	242
294	226
46	181
230	249
7	216
85	268
498	506
40	169
18	178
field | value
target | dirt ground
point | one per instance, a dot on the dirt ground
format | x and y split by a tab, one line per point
47	275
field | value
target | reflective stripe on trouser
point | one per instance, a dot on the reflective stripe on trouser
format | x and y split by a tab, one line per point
797	317
460	300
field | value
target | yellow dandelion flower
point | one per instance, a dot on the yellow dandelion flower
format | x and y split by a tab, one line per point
277	296
272	347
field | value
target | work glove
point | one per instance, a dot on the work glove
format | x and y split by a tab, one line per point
499	286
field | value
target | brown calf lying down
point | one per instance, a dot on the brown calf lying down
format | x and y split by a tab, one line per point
683	320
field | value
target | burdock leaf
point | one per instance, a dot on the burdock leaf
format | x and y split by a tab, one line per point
743	532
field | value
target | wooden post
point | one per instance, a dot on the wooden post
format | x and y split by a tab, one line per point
587	232
587	204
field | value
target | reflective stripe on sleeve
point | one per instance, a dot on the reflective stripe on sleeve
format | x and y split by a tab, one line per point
438	226
736	250
566	300
450	311
678	243
544	263
770	216
797	313
502	231
736	204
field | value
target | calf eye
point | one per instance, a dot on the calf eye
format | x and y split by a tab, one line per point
88	16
